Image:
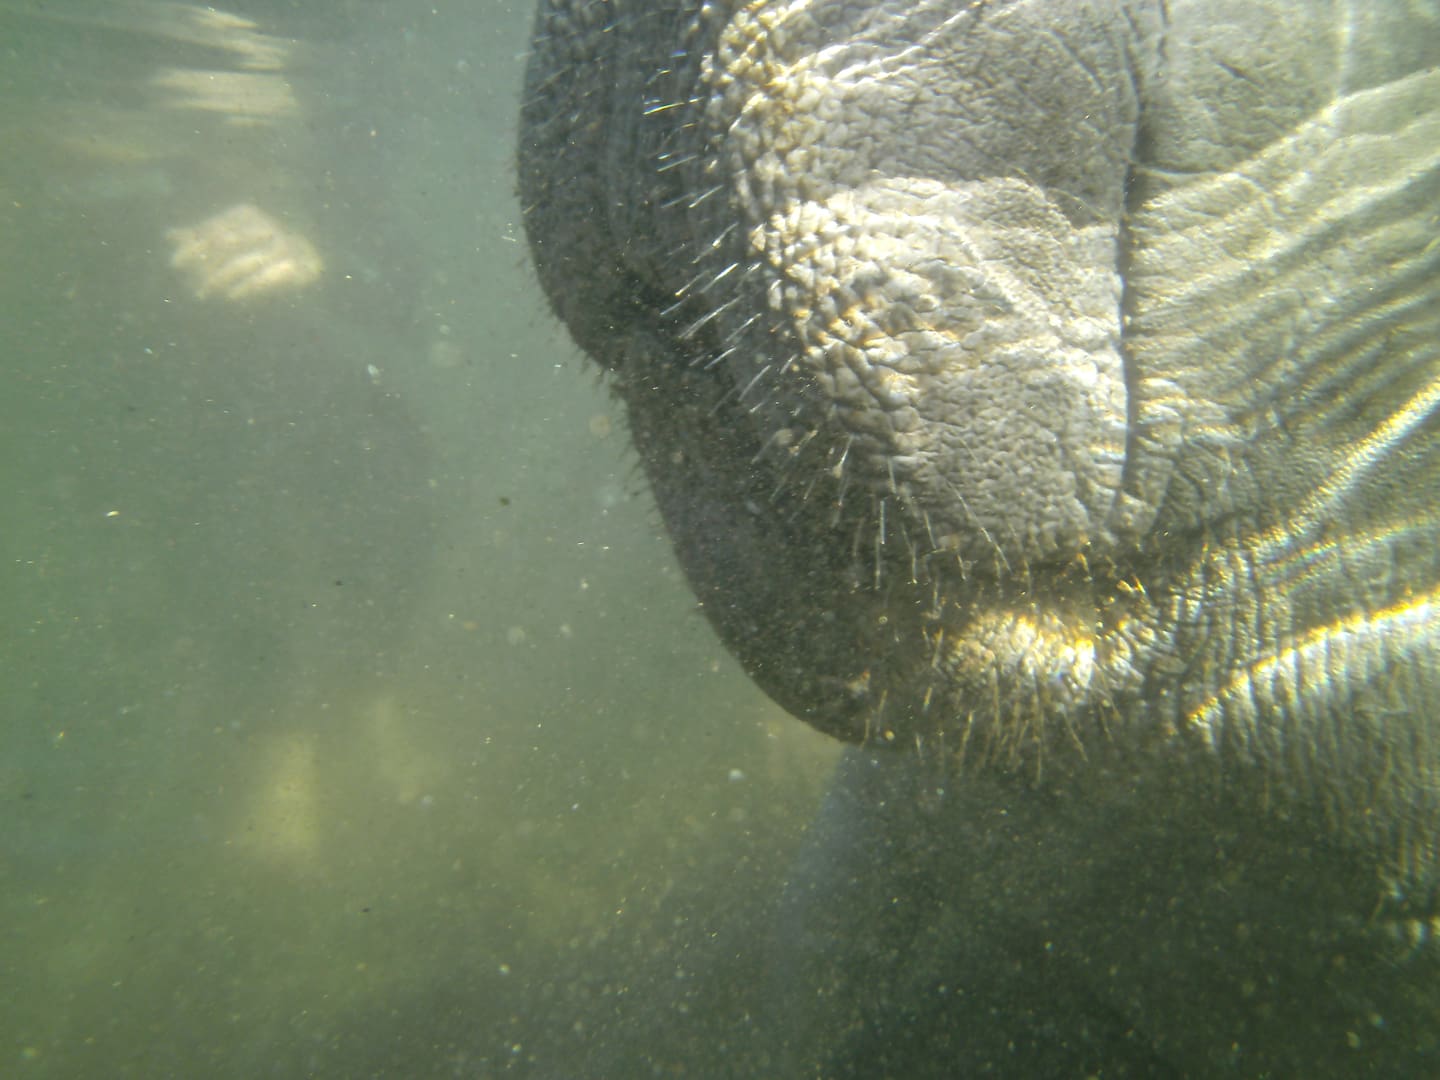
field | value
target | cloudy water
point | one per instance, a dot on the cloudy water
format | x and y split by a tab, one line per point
356	718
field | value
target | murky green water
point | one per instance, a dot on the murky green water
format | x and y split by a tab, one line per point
356	720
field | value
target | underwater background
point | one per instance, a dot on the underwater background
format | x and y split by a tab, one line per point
355	718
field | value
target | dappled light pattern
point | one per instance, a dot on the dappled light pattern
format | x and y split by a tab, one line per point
243	252
241	97
248	46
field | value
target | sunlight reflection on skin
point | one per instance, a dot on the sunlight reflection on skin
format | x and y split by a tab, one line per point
242	252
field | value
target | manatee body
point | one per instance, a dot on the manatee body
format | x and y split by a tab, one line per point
1041	396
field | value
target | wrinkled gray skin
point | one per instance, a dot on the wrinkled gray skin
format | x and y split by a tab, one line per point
1042	395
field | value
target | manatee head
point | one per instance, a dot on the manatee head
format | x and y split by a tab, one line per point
1048	387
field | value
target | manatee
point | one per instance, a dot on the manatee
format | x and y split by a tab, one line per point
1041	397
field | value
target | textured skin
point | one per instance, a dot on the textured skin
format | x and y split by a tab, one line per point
1049	389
